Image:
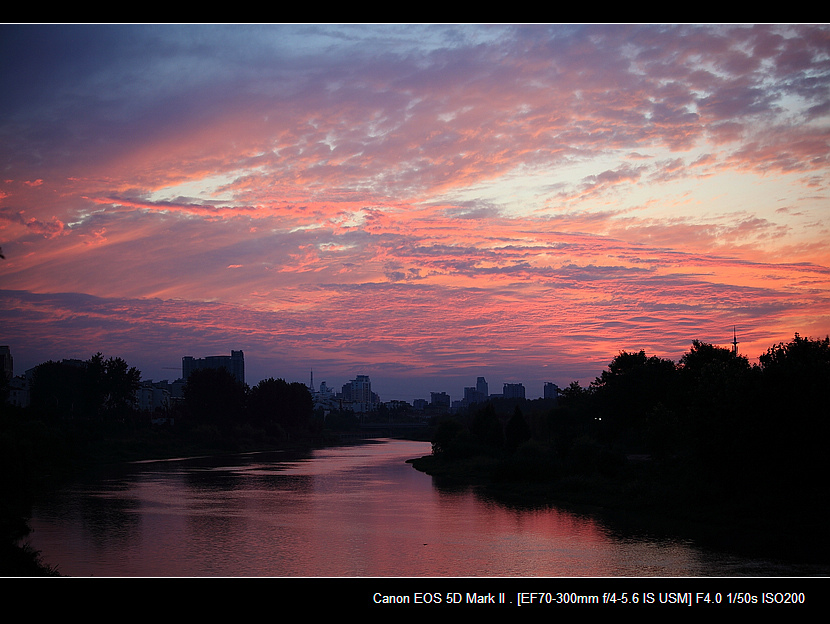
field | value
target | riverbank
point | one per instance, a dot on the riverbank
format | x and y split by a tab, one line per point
38	457
639	499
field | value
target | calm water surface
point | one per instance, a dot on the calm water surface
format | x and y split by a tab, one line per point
350	511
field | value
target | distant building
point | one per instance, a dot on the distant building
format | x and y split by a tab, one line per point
357	395
153	397
514	391
476	394
473	396
19	391
325	398
440	400
18	386
551	391
234	364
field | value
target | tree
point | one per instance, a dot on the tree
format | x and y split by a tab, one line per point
214	396
111	385
795	378
516	431
275	401
486	428
58	390
630	389
705	362
715	381
801	361
573	394
448	434
95	389
718	422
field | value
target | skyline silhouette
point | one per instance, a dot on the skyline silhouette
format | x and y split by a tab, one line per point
458	398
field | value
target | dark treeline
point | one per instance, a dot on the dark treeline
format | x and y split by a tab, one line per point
95	390
83	413
273	409
708	437
103	392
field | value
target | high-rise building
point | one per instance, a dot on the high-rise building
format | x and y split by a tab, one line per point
551	391
234	364
357	393
482	388
439	400
476	394
514	391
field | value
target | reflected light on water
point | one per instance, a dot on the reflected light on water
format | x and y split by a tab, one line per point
347	512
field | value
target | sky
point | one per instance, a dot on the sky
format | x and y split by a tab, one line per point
423	204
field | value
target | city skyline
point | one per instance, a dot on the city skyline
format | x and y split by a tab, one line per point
422	204
235	365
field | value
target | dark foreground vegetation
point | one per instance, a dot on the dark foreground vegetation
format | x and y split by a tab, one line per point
82	414
733	453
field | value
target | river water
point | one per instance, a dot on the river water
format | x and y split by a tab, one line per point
353	511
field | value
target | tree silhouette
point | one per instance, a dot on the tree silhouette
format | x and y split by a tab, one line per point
111	385
57	390
275	401
794	380
447	440
214	396
516	431
486	428
630	389
96	389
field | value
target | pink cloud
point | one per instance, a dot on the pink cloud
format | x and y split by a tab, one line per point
531	198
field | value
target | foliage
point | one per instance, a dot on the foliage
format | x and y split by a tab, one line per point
57	390
711	431
213	396
112	385
275	401
96	389
516	431
573	394
628	390
794	396
803	365
486	428
446	437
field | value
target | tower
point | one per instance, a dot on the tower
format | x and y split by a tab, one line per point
734	342
482	389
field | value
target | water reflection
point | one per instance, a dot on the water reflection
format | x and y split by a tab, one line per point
351	511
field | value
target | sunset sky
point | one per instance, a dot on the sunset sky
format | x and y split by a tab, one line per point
423	204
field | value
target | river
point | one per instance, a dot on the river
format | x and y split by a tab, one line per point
352	511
